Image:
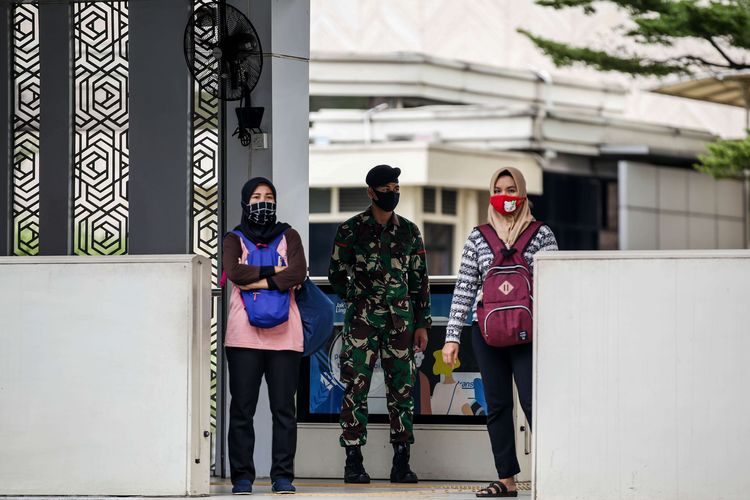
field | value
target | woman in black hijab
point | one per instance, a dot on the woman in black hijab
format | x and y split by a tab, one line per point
259	212
254	352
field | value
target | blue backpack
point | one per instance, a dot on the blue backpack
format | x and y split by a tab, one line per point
316	311
265	308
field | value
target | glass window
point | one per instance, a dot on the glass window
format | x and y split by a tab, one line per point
441	395
483	203
429	200
321	243
438	241
449	199
320	200
338	102
353	199
581	210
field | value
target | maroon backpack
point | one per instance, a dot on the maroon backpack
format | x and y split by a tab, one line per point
505	311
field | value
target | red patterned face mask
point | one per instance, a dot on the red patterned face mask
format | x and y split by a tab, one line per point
506	205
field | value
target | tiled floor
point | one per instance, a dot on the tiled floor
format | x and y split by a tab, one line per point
321	488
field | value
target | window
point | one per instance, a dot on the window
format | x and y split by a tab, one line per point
609	234
320	200
353	199
321	243
449	201
429	200
483	203
438	240
582	211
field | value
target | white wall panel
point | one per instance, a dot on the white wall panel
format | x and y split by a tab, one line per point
701	194
673	189
731	234
104	375
439	453
701	232
692	210
638	188
640	374
729	198
673	231
639	229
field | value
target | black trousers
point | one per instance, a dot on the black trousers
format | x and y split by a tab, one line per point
246	369
499	366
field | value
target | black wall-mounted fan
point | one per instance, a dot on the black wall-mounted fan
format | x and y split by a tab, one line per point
223	52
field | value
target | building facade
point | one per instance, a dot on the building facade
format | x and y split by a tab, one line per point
601	180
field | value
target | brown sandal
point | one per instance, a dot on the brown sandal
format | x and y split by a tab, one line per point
496	490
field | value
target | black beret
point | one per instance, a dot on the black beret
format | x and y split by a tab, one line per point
382	175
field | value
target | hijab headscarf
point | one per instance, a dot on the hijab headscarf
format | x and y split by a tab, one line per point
259	233
510	227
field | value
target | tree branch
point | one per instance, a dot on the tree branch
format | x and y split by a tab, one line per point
700	61
732	63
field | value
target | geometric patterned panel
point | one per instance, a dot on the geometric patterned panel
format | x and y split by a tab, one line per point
100	128
25	108
205	203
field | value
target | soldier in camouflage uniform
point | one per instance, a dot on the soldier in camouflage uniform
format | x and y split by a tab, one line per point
378	267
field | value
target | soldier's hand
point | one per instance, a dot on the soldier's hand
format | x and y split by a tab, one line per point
420	339
450	353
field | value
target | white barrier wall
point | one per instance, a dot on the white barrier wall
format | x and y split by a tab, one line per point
104	375
662	208
641	375
439	453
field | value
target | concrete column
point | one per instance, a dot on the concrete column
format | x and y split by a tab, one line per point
5	150
236	157
55	129
284	30
283	89
159	186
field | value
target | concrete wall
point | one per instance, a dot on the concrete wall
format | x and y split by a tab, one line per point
641	375
104	375
672	209
440	453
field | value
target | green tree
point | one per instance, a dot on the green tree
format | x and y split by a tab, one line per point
726	159
722	25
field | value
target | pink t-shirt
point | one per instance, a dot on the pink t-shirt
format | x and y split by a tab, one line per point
240	333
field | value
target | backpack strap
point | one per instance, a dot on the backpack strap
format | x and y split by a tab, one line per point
490	235
248	244
277	241
493	240
527	235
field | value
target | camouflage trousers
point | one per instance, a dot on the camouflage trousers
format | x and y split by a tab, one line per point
362	344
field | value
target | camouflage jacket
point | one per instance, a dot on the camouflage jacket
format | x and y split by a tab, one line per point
380	270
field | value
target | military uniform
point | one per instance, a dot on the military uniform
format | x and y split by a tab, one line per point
381	272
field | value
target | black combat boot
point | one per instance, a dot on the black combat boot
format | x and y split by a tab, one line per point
354	470
401	472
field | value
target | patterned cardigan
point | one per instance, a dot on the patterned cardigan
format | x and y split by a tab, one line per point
475	262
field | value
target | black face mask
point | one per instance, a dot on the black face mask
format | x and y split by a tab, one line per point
386	201
262	213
